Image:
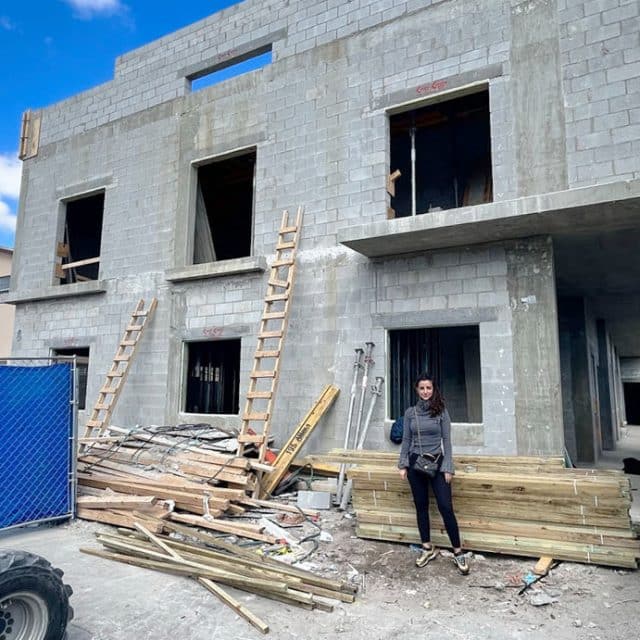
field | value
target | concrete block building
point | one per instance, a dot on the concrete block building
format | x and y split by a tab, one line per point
470	177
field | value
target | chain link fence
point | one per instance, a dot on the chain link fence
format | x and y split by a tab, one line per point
38	440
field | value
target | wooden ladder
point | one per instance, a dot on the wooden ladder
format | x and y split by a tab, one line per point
263	379
110	391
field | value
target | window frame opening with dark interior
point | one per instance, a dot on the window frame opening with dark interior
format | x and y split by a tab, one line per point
82	369
442	151
212	384
451	355
224	208
81	239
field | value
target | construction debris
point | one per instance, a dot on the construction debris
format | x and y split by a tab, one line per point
212	561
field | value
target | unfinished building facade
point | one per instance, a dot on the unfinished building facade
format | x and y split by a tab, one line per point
470	176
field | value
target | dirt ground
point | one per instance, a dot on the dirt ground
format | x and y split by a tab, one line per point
395	599
573	601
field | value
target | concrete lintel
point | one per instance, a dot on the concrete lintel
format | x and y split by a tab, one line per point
90	288
256	264
85	187
436	318
432	89
614	205
231	56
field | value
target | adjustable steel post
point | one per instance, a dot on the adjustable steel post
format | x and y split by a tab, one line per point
368	361
376	392
357	365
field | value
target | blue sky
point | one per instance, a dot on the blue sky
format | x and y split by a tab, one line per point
53	49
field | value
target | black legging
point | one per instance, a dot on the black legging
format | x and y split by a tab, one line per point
419	483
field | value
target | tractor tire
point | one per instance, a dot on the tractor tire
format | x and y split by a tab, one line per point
34	602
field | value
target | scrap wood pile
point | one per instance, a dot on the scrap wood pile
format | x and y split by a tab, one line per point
516	505
162	480
167	472
213	561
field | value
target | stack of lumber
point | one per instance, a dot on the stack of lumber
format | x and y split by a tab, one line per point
514	505
165	472
212	562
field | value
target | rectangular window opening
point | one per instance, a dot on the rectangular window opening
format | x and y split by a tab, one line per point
451	355
235	66
443	154
224	209
80	248
82	367
213	377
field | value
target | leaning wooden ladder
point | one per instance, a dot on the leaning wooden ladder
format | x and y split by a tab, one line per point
108	395
263	382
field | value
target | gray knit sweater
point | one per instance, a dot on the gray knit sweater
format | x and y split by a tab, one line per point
432	434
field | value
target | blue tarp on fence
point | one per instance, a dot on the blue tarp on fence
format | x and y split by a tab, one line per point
36	443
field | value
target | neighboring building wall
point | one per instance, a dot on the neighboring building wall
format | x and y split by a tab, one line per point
318	117
7	311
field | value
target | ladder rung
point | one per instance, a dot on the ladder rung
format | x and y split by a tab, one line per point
287	262
276	297
102	407
94	424
134	327
255	438
139	314
108	390
279	283
270	334
128	343
122	358
267	354
262	374
282	246
274	315
115	374
259	394
255	417
288	230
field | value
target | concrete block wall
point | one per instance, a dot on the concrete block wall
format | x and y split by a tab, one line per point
600	45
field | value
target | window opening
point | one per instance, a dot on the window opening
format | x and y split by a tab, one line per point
213	377
234	67
224	209
82	367
443	154
451	355
80	249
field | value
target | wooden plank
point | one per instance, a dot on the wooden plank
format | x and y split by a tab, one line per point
543	565
223	526
62	250
299	437
116	502
80	263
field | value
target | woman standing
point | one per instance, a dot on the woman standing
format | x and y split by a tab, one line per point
427	430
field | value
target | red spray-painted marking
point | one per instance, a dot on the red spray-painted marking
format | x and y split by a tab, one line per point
436	85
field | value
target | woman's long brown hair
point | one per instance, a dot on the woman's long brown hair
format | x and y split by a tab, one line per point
436	402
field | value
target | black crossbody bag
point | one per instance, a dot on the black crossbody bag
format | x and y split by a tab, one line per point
425	463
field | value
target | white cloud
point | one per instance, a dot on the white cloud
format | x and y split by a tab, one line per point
10	174
6	23
7	218
86	9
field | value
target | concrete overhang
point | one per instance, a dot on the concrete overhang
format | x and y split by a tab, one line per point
614	205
